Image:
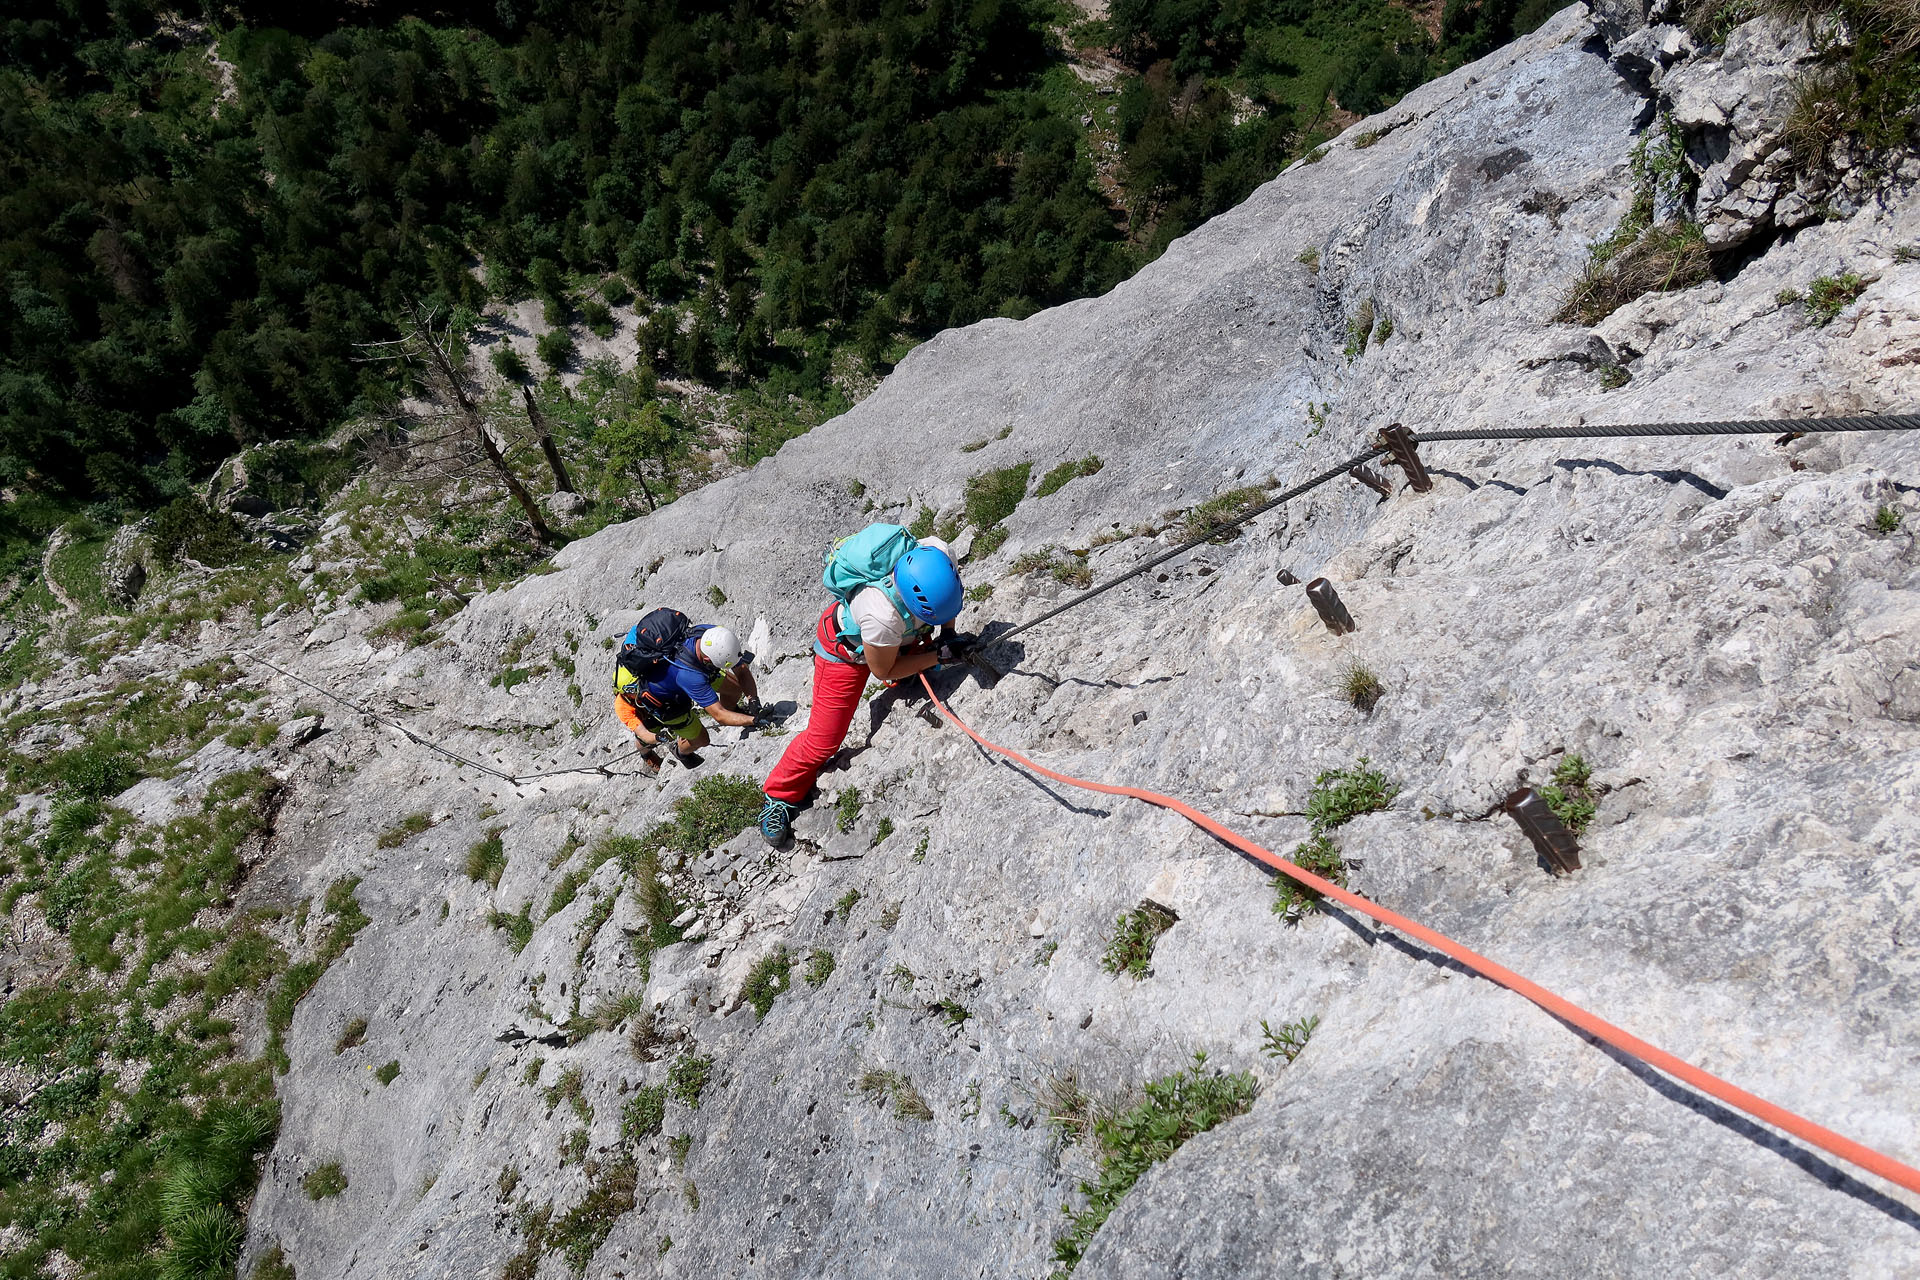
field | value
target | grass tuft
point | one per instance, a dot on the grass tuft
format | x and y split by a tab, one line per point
1359	686
487	859
404	830
1215	517
1888	519
992	496
1060	476
895	1087
325	1181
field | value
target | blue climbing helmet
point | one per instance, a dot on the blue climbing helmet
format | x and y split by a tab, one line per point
928	585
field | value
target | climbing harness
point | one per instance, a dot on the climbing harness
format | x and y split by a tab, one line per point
512	779
1400	442
1800	1127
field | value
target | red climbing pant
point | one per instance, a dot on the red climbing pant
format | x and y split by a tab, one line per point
837	687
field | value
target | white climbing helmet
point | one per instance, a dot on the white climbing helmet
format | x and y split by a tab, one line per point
719	647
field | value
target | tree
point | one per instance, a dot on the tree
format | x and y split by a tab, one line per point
432	350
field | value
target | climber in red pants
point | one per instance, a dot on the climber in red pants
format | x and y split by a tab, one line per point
881	624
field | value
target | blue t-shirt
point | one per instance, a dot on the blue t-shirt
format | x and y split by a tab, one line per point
684	677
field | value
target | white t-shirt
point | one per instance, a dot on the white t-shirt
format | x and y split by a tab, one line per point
879	622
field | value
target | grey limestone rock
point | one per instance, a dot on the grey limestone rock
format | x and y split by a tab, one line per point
1715	624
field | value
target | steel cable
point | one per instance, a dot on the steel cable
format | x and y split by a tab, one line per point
1732	427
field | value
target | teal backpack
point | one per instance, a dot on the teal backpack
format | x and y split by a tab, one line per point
861	560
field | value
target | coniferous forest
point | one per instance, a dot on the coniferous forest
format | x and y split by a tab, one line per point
207	209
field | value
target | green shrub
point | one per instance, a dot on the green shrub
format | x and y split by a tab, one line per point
188	529
1177	1107
1130	945
922	526
1057	479
844	906
508	364
556	349
387	1074
770	975
991	496
599	318
1888	519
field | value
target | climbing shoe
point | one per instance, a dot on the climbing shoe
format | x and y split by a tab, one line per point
649	763
776	822
691	759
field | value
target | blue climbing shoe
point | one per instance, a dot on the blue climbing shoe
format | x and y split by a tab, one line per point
776	822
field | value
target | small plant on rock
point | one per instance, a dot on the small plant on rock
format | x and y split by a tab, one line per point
1130	945
1319	856
1888	519
688	1077
770	975
844	906
1176	1108
1290	1039
642	1117
846	809
1828	296
1570	795
389	1073
819	967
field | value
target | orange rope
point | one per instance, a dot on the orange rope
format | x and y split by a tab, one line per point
1779	1117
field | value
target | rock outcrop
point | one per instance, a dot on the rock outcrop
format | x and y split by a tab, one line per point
1723	628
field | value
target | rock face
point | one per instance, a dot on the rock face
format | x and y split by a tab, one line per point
1719	626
